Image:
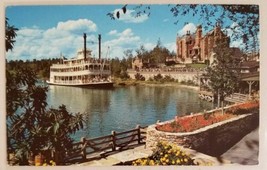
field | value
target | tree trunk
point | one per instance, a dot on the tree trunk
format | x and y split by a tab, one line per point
218	99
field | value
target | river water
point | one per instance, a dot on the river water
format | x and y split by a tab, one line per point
121	109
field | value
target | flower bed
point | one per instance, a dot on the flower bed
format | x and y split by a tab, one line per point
211	133
166	154
189	124
197	121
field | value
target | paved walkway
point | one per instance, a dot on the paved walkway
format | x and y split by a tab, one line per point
142	152
246	151
123	156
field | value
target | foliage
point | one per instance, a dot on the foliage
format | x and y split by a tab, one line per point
222	74
168	78
243	25
31	128
158	77
40	67
10	34
194	122
189	82
155	56
166	154
138	76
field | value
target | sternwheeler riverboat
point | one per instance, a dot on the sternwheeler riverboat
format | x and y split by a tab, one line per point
83	70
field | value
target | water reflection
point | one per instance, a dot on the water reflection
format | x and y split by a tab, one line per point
123	108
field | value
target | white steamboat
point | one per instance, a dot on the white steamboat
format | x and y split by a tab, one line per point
84	70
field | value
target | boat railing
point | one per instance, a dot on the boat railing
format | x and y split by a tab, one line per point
94	80
81	63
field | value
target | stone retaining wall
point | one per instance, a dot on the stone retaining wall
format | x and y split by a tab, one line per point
212	140
179	76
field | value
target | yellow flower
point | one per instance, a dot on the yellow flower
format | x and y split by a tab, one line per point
45	164
38	164
161	153
151	162
185	160
178	161
167	160
173	162
166	155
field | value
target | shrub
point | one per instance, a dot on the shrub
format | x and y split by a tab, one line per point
138	76
168	78
166	154
158	77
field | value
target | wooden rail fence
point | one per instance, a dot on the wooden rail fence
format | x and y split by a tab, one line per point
101	146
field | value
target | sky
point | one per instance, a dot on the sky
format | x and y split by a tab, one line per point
49	31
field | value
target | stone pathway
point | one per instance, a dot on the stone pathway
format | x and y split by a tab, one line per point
246	151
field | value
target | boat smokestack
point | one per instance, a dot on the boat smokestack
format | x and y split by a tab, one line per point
84	44
99	45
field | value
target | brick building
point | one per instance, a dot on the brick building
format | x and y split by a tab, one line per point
197	47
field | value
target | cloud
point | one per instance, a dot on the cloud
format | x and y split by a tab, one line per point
35	43
188	27
113	32
130	16
66	38
171	47
122	41
81	25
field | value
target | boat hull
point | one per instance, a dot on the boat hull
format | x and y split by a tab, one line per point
86	85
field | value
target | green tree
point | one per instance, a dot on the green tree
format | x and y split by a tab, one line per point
223	77
10	34
31	127
159	53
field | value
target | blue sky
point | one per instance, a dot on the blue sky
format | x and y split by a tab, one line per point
48	31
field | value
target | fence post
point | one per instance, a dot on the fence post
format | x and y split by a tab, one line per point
113	133
83	148
138	133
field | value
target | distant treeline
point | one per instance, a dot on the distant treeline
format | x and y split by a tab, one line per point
40	67
118	66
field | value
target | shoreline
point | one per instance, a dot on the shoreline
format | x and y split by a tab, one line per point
172	85
122	83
